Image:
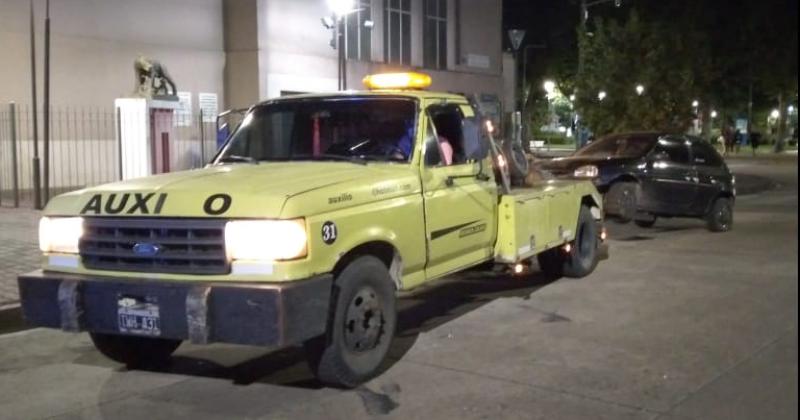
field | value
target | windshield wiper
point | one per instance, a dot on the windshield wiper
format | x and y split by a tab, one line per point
237	159
353	159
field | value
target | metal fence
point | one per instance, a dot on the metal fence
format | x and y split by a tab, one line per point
84	149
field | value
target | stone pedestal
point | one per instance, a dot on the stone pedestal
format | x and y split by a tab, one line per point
146	135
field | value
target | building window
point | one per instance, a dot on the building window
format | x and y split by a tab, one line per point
397	32
435	35
358	35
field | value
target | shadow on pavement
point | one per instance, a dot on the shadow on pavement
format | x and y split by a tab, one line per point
419	312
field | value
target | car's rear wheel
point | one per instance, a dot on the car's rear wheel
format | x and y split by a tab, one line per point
646	221
135	351
361	325
720	218
622	201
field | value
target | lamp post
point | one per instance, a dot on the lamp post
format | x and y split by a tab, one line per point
516	36
339	9
640	90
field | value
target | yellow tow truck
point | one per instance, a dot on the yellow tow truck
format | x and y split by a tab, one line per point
309	220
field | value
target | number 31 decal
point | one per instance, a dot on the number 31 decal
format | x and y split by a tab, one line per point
329	232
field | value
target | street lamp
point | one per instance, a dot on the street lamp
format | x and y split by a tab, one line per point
601	95
340	9
790	110
586	5
695	103
713	114
775	114
640	89
549	87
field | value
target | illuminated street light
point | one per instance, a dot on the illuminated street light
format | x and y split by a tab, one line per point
640	89
713	114
790	110
602	95
695	103
775	114
340	7
572	98
549	86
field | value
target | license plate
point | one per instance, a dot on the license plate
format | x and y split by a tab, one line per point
138	316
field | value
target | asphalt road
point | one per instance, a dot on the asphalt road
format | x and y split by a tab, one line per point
678	324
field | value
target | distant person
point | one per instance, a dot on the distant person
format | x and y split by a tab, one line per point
737	140
728	136
755	141
721	145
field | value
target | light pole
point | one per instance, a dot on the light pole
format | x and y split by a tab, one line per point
640	90
340	9
516	36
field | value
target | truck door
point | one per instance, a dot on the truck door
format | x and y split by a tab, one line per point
460	206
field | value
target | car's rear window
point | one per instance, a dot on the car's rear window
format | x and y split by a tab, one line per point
619	146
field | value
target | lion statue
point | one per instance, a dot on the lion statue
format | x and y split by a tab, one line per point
152	79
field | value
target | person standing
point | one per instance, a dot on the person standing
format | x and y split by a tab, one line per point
737	140
755	140
727	135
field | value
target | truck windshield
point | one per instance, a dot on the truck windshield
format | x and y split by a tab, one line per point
619	146
355	129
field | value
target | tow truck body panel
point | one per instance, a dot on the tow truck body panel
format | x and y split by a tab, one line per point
435	220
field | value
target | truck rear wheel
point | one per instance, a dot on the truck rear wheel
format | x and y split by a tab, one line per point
135	351
582	258
361	326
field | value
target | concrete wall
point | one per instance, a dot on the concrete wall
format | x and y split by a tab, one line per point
94	43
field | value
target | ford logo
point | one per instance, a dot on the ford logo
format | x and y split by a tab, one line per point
146	249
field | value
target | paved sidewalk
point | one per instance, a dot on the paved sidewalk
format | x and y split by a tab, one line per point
18	250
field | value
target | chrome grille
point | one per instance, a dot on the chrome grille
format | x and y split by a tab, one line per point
180	246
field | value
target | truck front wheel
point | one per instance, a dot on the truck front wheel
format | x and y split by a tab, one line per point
361	325
583	256
135	351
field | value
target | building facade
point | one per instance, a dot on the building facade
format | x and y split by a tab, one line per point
244	51
283	47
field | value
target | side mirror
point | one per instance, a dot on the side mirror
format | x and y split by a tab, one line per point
476	146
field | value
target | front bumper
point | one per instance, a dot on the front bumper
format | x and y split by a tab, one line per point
201	312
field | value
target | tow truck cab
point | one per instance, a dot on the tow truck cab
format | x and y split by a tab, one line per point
315	212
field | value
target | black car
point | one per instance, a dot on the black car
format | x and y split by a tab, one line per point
648	175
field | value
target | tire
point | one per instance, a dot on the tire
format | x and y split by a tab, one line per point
583	258
361	326
622	200
720	218
135	351
646	223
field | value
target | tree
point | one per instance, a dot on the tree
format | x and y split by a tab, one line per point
616	57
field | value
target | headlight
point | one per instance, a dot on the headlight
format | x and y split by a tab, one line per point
587	171
265	239
60	234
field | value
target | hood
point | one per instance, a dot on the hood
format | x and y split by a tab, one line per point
237	191
567	165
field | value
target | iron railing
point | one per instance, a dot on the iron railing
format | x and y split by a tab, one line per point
84	149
